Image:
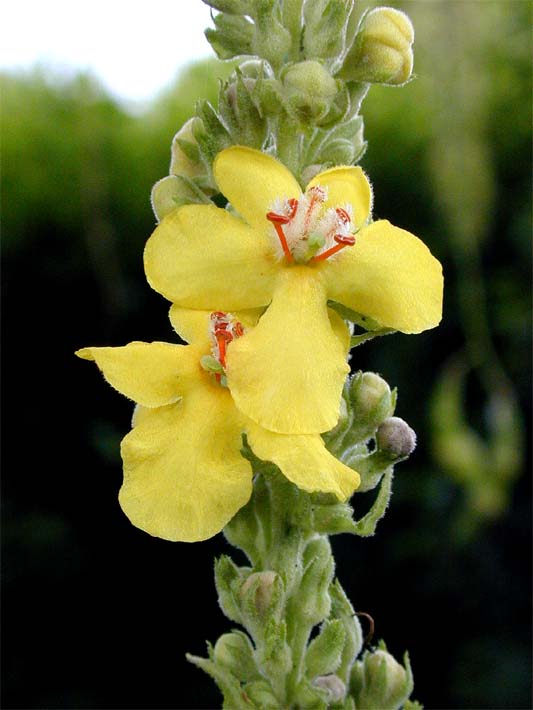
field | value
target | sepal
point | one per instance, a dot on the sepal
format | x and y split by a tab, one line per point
234	651
323	655
174	191
228	581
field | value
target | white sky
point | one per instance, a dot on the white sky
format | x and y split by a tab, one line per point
134	46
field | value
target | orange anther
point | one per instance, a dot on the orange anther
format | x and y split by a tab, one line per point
345	239
343	215
238	329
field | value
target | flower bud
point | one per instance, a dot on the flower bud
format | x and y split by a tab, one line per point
262	586
234	651
185	155
382	51
396	438
379	681
372	402
309	90
333	685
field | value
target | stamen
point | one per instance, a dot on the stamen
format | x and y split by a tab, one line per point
343	215
343	240
279	219
223	337
223	330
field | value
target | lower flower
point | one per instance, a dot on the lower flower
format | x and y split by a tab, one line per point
184	475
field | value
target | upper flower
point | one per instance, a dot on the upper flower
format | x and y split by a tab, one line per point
184	475
294	251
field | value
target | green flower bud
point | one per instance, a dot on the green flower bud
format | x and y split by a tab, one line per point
396	438
260	585
372	402
382	51
333	685
185	154
313	603
379	681
234	651
309	90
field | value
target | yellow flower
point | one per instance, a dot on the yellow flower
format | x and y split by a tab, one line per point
184	475
293	252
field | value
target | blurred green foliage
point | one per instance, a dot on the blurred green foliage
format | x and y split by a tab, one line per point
449	157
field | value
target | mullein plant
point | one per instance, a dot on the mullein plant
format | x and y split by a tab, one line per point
267	250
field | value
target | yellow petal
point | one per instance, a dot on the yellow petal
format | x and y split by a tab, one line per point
340	329
304	460
184	476
193	326
152	374
202	257
390	276
287	373
347	184
251	181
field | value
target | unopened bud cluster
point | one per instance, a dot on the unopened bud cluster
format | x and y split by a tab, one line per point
368	437
307	67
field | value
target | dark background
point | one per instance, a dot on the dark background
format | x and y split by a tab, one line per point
97	614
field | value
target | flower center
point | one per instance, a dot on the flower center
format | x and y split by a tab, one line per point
306	232
223	328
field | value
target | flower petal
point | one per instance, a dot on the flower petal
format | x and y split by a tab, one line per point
252	181
390	276
347	184
341	330
193	326
184	476
304	460
202	257
152	374
287	373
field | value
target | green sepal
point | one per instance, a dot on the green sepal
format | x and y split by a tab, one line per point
357	318
226	681
228	581
211	134
371	468
313	604
324	28
310	697
332	519
324	653
272	41
273	655
238	106
412	705
174	191
366	526
261	695
356	340
342	610
190	149
235	652
232	37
